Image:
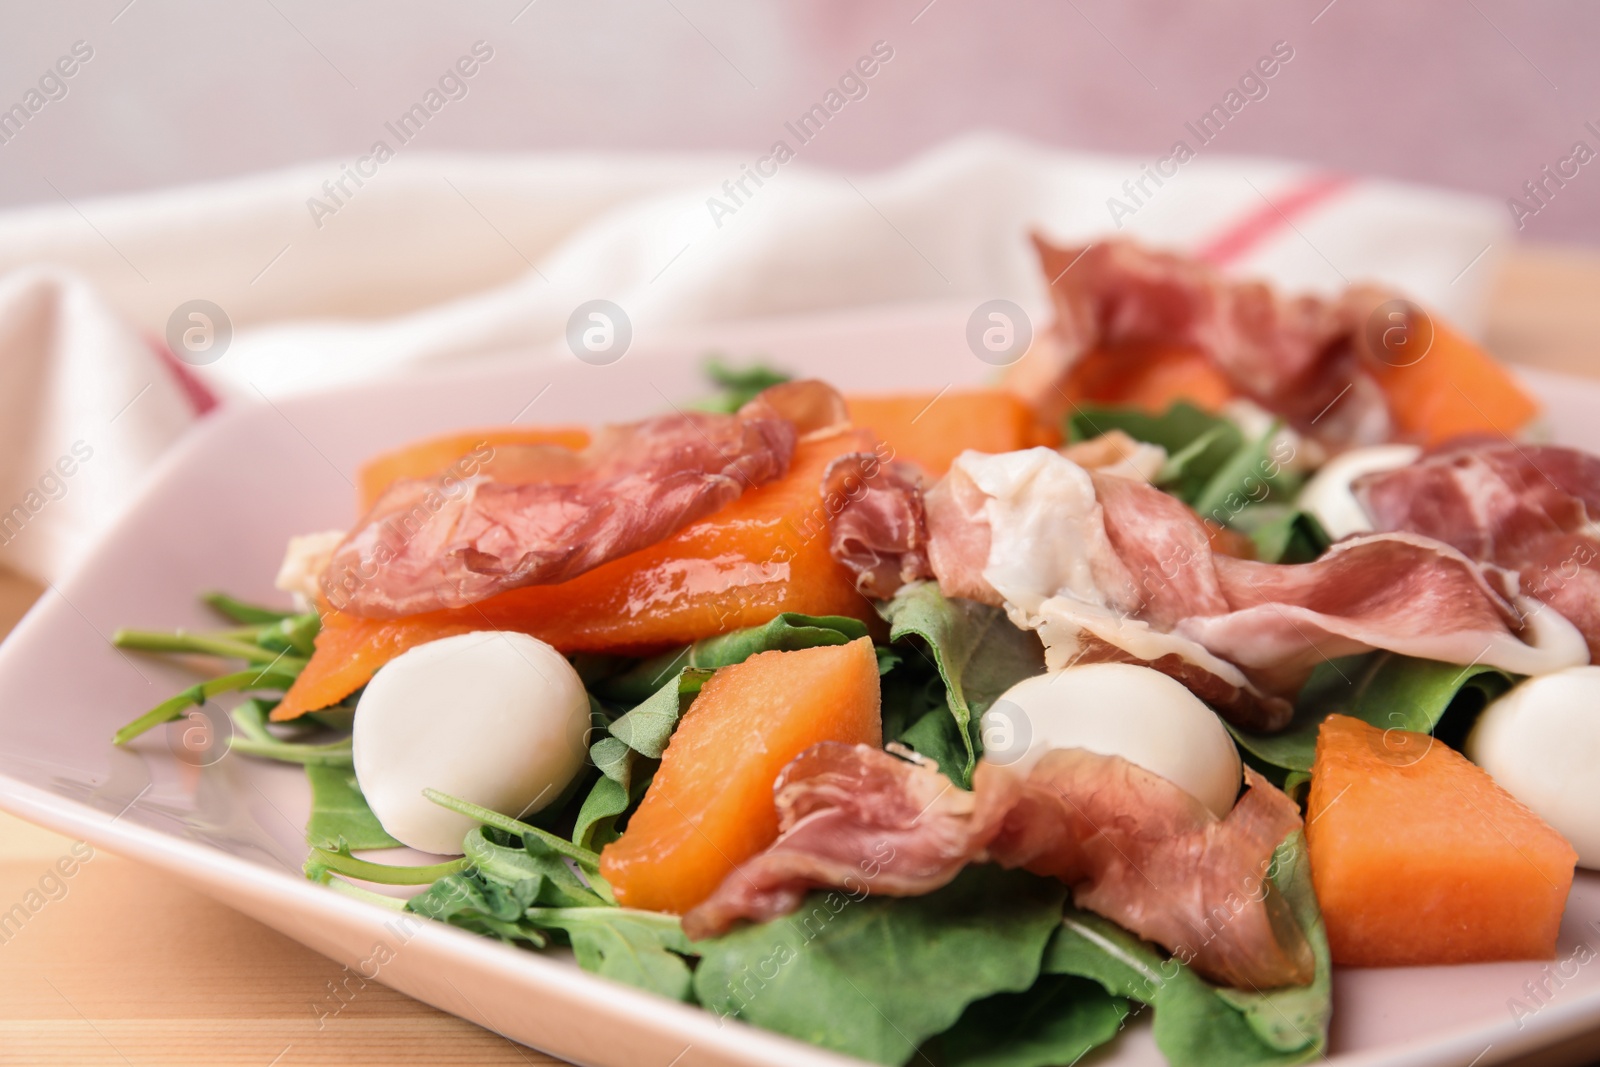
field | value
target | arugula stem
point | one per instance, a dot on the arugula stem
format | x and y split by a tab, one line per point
335	753
251	718
349	889
171	709
556	916
383	873
203	644
240	611
581	856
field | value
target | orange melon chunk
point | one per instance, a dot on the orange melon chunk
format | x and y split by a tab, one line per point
1150	376
435	455
710	806
1418	858
932	429
763	554
1455	388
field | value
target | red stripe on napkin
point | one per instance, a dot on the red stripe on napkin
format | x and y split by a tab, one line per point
1275	215
200	397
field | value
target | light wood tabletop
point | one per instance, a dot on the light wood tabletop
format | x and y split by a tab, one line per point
132	967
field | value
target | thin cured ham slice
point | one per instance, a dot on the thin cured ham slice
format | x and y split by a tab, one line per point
1294	356
1528	508
536	515
1134	848
1108	568
879	531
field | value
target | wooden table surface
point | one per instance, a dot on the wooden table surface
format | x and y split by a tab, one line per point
132	967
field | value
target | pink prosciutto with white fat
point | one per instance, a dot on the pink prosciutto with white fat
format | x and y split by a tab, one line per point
1294	356
1528	508
1108	568
1134	848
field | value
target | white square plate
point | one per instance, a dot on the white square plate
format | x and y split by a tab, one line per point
216	515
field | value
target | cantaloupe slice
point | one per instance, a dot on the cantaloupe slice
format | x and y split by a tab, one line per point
435	455
710	807
1455	388
1150	376
932	429
1418	858
763	554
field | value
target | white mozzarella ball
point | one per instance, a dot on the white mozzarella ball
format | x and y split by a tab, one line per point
1118	709
1327	495
1541	743
499	719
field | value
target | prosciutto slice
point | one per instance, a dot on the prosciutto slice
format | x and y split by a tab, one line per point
879	529
536	515
1528	508
1294	356
1108	568
1134	848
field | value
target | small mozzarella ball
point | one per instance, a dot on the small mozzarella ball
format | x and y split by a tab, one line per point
1327	495
499	719
1118	709
1541	743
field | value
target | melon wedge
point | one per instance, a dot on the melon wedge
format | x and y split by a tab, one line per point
710	807
1418	858
763	554
1455	388
932	429
435	455
1150	376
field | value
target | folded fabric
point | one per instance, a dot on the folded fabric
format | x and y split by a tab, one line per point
337	273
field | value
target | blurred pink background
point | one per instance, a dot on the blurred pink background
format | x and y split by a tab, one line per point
1477	95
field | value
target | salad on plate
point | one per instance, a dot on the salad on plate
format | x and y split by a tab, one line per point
1226	638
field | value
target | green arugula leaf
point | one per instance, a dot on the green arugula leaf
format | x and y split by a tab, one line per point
1283	534
876	977
910	692
1214	469
1390	691
1249	478
596	823
737	386
1198	1024
649	726
482	905
1057	1021
786	632
644	949
1198	443
340	813
938	737
978	652
491	854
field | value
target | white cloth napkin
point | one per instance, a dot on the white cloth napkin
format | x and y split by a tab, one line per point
346	270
